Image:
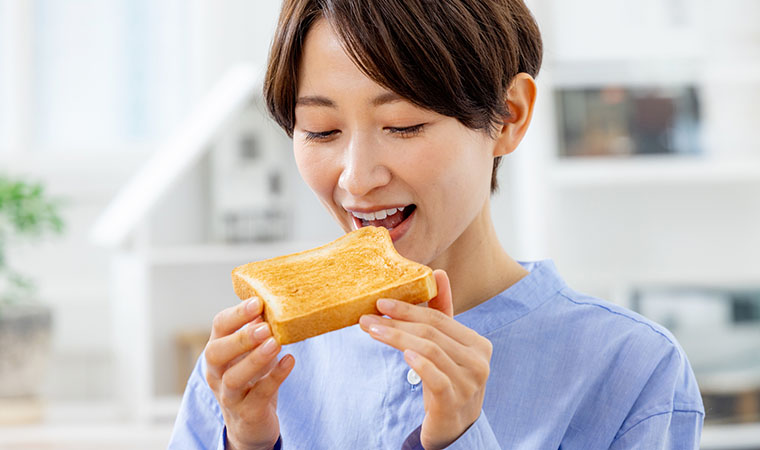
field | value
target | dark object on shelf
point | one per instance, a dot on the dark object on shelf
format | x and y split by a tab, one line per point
745	307
732	407
624	121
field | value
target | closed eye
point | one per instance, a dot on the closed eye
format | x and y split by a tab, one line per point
406	132
312	136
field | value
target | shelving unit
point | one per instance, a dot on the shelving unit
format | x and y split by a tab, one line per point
612	224
171	230
653	43
652	171
161	293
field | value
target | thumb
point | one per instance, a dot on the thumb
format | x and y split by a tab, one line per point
442	302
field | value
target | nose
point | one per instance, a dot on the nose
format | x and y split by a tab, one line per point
363	168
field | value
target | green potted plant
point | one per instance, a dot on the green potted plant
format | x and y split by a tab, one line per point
26	212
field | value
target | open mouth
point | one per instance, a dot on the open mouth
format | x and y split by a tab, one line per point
389	218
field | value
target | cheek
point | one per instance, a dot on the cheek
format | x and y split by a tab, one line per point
316	171
456	167
457	182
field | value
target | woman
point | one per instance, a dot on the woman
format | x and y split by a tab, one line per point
400	111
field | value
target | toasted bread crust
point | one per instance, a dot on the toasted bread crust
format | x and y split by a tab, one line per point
315	316
346	314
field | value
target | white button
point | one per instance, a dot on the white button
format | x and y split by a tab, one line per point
413	378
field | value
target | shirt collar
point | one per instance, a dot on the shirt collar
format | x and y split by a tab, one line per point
541	284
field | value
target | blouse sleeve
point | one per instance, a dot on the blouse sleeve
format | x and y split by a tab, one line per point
199	424
678	429
478	436
668	413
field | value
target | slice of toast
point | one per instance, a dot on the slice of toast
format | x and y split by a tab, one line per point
330	287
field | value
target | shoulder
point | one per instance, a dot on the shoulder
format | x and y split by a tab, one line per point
588	363
597	316
617	334
544	311
639	352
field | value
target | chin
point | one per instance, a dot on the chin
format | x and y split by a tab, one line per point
411	253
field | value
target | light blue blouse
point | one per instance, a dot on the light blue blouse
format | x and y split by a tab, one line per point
568	371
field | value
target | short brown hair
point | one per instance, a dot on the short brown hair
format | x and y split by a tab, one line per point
454	57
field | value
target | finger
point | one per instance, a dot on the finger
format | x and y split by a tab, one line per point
252	325
233	318
241	376
434	380
402	340
442	302
268	385
437	319
223	351
461	355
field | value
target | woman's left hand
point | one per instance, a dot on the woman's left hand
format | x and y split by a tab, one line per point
452	360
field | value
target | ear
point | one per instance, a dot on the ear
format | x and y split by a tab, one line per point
521	97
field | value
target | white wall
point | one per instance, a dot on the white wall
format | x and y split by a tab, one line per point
73	275
607	238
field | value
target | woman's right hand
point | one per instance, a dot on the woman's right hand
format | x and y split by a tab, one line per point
245	376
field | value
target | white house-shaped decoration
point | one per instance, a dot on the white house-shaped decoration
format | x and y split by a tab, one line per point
212	197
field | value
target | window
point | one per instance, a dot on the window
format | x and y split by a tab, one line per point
92	75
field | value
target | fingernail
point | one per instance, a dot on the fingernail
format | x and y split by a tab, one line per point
287	360
411	355
268	346
377	330
368	320
253	305
261	331
385	304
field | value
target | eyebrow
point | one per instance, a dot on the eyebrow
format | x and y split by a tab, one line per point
317	100
388	97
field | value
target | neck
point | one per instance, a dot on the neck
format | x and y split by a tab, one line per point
477	265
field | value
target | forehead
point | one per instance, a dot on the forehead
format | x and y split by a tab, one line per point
326	69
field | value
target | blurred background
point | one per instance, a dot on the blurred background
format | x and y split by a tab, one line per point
137	168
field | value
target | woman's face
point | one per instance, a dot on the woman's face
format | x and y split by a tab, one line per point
374	158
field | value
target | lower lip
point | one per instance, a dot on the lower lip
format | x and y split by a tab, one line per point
396	232
399	230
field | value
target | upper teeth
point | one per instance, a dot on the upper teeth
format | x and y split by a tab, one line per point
377	215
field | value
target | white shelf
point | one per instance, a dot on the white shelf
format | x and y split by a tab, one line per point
653	72
83	436
631	72
224	253
85	426
733	71
650	170
728	437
